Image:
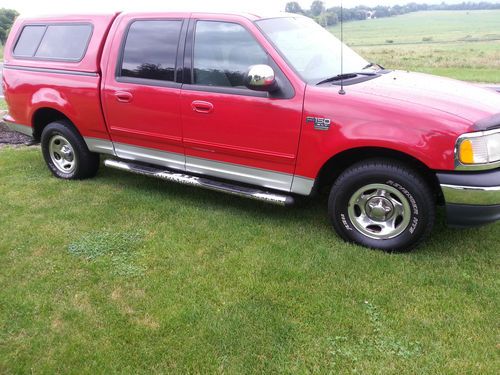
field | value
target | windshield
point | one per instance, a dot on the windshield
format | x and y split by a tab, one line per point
312	51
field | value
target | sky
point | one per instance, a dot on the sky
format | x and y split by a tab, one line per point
39	7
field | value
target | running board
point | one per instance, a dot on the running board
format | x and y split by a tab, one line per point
242	191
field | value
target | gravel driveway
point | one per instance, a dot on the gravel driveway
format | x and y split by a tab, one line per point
8	137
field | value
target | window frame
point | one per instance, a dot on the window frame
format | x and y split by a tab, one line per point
286	90
47	25
149	81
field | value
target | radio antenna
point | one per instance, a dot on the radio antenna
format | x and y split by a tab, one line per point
341	91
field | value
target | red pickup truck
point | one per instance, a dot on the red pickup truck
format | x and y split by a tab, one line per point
259	107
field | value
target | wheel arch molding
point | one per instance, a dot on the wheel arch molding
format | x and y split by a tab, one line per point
339	162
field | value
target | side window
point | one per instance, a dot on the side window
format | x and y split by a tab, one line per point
223	52
29	40
150	50
66	42
55	42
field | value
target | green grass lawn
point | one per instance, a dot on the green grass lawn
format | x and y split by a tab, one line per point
458	44
127	274
3	105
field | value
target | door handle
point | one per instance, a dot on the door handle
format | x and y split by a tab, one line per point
123	96
201	106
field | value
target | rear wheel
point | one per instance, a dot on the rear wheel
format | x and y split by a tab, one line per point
382	204
66	153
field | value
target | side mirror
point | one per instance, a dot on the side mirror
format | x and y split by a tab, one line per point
261	78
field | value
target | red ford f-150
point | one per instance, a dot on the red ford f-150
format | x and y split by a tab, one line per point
259	107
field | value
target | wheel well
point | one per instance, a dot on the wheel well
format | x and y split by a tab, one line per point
340	162
43	117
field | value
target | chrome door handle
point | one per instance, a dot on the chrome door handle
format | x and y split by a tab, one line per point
201	106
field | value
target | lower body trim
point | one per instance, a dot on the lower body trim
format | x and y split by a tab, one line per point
101	146
248	175
24	129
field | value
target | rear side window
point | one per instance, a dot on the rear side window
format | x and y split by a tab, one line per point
53	42
29	40
150	50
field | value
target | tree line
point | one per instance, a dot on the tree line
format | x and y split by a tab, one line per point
331	16
7	18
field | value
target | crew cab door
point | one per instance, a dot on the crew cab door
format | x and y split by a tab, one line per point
230	131
141	95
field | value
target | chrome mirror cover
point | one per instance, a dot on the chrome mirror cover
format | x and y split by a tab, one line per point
261	77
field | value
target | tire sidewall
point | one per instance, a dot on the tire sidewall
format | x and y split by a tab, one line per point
339	201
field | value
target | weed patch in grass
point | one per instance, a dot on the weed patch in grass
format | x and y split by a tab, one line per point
379	342
383	339
119	248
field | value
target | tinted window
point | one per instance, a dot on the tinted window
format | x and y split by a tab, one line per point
29	40
64	42
223	52
58	42
151	49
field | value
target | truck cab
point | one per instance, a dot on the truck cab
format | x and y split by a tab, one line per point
257	106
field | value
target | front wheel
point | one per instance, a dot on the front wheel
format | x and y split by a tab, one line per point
382	204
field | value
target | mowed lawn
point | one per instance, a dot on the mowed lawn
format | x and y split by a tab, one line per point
125	274
458	44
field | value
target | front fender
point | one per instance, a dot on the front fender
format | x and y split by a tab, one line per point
358	120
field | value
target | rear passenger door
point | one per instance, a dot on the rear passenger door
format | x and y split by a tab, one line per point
141	92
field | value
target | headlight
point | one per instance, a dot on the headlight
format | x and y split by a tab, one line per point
479	148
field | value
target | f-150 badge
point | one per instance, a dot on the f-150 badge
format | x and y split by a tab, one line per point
319	122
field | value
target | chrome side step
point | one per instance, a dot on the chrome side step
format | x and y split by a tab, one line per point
242	191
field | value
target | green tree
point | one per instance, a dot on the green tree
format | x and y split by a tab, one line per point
317	7
293	7
327	19
7	18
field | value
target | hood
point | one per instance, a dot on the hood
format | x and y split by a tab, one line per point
458	98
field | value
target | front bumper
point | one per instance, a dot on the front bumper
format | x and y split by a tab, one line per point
471	198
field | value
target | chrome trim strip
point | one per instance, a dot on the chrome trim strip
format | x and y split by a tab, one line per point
101	146
241	191
24	129
148	155
474	167
302	185
244	174
49	70
247	175
472	195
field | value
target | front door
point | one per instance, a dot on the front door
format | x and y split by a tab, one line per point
230	131
141	96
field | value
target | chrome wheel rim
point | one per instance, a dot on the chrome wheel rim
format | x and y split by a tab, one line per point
379	211
62	154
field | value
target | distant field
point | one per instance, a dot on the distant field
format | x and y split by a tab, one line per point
458	44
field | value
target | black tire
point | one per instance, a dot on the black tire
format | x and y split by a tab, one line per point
84	164
386	178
